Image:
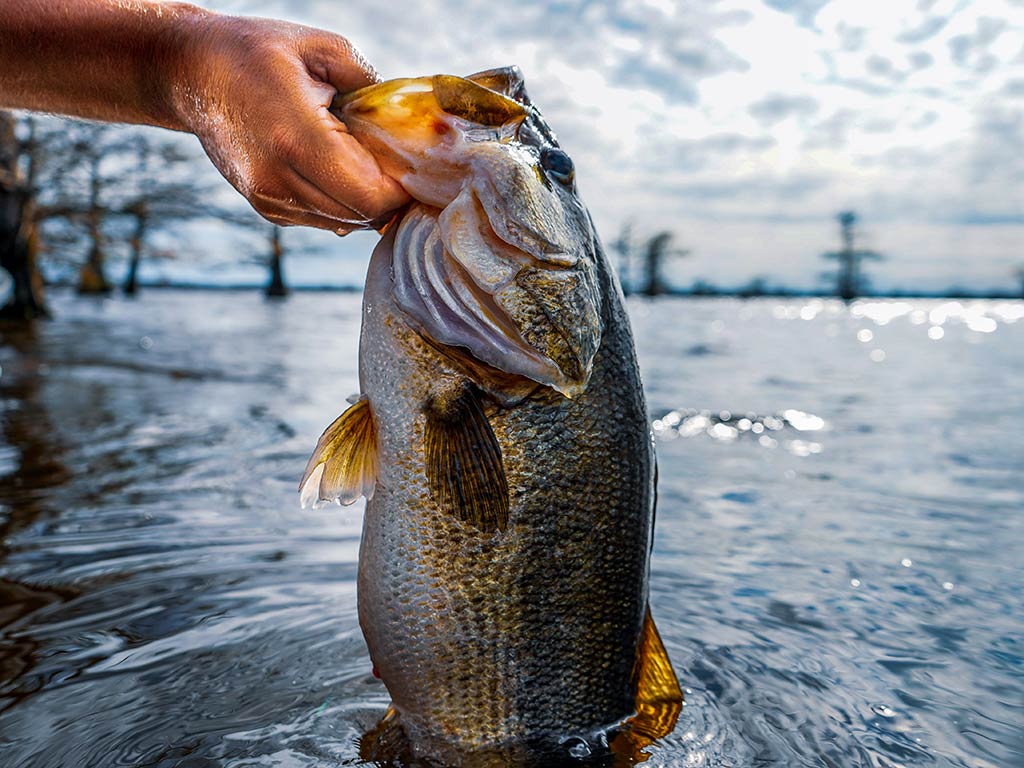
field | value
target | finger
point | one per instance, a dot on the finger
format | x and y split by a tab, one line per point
310	197
284	216
334	162
345	171
285	195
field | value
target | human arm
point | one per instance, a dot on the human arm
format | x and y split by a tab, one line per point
255	92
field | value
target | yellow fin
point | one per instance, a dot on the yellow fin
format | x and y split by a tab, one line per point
474	102
464	465
506	80
385	743
659	699
343	466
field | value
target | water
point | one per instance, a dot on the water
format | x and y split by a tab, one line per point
837	569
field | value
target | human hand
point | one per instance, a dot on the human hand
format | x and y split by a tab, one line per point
256	92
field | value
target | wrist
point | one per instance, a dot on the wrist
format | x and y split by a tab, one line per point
179	63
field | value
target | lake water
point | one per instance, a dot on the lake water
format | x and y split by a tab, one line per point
837	571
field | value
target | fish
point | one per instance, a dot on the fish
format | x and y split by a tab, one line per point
501	440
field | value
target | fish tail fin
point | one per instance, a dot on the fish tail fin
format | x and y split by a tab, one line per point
344	463
659	699
385	742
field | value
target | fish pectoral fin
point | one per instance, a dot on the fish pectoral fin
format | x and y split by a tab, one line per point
659	699
463	459
343	466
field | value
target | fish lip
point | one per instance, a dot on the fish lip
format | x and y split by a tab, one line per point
343	100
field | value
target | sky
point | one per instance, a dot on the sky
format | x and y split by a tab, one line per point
744	126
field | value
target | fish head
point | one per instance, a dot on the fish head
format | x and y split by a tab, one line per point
498	255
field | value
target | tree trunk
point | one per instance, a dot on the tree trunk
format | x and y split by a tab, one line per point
18	236
847	286
276	288
91	278
653	287
131	280
657	247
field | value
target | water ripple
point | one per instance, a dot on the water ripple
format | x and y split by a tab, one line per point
836	570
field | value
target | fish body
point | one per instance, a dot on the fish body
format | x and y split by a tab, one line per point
501	436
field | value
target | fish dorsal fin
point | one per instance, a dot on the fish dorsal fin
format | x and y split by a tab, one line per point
659	699
463	458
343	466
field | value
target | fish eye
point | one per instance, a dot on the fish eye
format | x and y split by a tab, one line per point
557	163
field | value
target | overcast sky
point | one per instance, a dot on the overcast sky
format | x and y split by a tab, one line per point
745	125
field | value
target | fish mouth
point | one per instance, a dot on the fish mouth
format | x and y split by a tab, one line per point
495	257
455	96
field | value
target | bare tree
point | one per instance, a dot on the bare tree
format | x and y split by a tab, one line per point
849	276
164	192
65	182
92	277
657	250
276	287
19	240
99	190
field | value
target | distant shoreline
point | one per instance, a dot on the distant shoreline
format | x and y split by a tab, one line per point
675	293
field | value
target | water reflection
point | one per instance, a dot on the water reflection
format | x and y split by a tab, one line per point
33	466
982	316
768	431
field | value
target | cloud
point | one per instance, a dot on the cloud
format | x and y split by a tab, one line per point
923	30
833	131
803	10
971	49
788	189
879	66
776	107
920	59
1014	88
747	112
995	164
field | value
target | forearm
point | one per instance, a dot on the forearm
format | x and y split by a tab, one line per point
114	60
255	92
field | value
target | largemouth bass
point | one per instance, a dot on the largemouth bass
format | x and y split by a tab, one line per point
501	440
